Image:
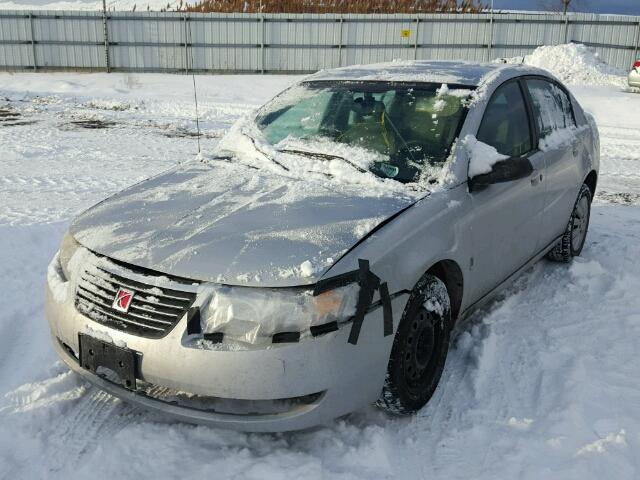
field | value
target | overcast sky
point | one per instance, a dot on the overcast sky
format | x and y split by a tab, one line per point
623	7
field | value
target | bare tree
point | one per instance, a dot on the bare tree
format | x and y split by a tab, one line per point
561	5
336	6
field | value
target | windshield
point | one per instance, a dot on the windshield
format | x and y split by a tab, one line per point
409	128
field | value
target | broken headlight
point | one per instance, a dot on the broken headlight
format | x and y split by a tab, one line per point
255	315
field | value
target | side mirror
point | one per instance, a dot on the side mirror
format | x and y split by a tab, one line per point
513	168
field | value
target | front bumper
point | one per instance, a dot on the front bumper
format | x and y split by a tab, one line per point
346	377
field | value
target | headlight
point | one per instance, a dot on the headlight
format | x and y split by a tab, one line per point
68	248
254	315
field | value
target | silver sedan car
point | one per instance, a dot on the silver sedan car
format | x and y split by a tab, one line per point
317	261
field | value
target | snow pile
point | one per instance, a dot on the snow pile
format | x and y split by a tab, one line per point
482	157
575	64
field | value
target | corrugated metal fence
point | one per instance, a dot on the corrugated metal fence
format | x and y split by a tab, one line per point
247	43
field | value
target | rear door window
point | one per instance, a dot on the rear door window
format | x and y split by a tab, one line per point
505	125
551	106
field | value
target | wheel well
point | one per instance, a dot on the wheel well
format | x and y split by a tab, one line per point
591	181
451	275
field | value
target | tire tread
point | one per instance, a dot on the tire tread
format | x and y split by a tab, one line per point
562	251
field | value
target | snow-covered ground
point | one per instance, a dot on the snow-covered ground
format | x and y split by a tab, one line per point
543	384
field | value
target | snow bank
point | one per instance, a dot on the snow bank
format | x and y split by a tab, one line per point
574	64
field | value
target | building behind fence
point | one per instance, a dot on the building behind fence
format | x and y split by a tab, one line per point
291	43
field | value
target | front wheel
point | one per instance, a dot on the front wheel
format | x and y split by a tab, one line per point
572	241
419	349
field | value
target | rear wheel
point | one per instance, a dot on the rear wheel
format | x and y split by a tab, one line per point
572	241
419	349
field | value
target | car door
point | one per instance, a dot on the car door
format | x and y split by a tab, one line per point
555	125
507	216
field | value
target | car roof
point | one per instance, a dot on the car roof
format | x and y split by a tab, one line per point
472	74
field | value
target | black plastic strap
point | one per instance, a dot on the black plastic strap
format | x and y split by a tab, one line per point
286	337
193	321
385	299
215	337
318	330
369	282
338	281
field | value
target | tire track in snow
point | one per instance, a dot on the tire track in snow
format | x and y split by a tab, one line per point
96	416
78	416
60	182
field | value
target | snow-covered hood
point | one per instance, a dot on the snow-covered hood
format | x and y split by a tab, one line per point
235	224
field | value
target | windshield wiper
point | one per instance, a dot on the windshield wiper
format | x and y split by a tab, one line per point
268	157
324	156
229	158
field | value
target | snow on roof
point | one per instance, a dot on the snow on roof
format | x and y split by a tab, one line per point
433	71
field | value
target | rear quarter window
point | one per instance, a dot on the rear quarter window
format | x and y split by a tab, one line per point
551	106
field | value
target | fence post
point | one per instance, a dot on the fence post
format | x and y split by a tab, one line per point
105	32
566	27
340	42
261	41
490	42
33	43
186	46
635	51
415	42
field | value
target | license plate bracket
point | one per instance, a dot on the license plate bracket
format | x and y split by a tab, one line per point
96	353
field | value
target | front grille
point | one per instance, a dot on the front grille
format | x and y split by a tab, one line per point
154	310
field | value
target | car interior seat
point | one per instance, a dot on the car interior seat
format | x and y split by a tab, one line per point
367	126
427	121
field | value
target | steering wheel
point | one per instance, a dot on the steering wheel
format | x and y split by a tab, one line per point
406	160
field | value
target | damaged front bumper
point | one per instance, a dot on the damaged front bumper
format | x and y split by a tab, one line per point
278	388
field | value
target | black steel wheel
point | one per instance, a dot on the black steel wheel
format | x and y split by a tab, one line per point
419	350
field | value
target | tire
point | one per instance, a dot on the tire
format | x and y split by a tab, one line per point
572	241
419	349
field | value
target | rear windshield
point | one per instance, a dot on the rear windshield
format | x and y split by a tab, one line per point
410	127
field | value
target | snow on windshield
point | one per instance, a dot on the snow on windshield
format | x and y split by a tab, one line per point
245	144
355	131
